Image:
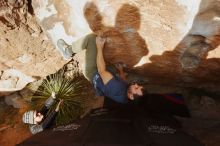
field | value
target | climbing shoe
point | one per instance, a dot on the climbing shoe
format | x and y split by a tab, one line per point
65	49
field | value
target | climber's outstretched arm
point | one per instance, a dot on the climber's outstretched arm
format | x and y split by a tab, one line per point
105	75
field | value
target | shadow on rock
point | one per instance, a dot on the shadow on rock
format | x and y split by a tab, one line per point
124	44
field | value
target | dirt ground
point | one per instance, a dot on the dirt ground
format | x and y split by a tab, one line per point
13	131
14	135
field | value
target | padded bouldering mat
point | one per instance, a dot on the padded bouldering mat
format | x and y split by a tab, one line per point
124	126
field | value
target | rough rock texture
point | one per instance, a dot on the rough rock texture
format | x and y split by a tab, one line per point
25	52
171	42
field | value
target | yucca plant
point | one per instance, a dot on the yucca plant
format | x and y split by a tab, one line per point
72	91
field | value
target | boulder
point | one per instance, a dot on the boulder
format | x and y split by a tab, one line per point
25	49
171	43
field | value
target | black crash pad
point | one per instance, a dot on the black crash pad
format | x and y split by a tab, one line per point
124	126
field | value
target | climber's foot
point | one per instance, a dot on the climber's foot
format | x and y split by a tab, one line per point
65	49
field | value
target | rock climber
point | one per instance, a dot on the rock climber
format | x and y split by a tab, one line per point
40	120
105	80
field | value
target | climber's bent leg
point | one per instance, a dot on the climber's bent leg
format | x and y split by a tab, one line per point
89	43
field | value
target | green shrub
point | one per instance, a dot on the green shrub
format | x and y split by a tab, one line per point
72	90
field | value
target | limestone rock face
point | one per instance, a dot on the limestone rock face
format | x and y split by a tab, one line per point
171	42
25	52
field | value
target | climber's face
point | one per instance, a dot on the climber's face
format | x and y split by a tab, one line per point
134	91
38	117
